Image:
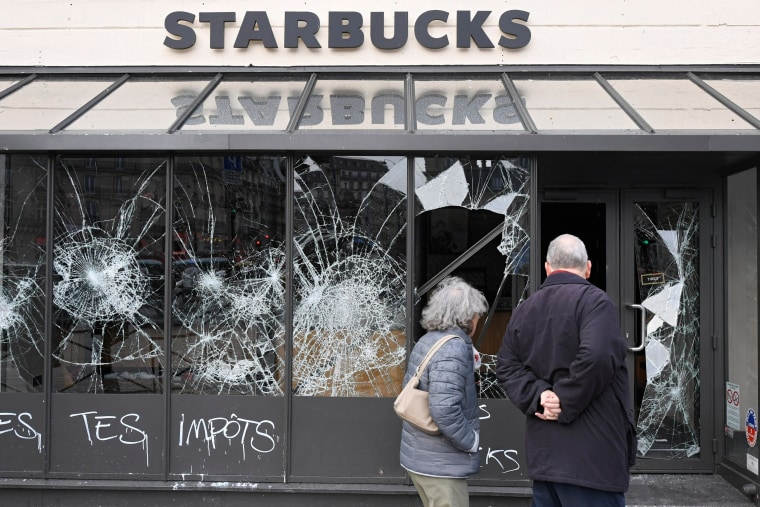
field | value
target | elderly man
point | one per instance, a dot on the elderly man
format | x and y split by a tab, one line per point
562	363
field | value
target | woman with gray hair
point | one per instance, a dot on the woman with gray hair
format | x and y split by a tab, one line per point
440	464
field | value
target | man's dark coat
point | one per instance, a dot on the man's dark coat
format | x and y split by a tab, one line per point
566	338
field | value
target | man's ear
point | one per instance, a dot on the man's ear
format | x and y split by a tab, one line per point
548	268
588	269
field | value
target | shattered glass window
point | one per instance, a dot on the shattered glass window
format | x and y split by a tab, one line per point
108	275
349	276
228	275
667	278
473	222
23	191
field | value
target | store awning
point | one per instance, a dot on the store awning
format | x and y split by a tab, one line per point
360	109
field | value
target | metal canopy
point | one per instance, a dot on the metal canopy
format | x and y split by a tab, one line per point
422	109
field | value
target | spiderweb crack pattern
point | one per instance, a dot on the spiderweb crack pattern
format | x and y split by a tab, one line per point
348	321
231	326
229	332
22	277
21	319
100	291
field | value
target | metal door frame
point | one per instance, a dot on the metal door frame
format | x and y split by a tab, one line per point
619	251
706	457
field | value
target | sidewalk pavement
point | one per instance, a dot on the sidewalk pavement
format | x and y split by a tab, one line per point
688	490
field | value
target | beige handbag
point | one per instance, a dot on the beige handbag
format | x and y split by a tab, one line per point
412	404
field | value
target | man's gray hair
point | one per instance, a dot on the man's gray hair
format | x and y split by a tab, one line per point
567	252
454	303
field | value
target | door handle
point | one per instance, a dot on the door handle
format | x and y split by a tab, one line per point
642	327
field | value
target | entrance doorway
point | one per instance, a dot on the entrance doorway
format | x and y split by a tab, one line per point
651	252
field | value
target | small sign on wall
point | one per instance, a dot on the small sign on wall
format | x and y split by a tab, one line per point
733	415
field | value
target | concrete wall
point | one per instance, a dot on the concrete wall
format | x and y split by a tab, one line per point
598	32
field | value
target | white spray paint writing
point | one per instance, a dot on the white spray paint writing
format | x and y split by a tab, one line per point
234	429
21	427
100	427
505	459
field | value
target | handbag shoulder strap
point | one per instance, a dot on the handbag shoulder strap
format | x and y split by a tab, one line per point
431	353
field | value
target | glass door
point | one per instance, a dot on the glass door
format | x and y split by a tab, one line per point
651	251
666	254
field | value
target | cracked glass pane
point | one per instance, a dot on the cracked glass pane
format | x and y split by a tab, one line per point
349	276
473	222
23	205
667	277
228	270
108	274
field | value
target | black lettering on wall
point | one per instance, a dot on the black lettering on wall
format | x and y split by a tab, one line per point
345	30
472	29
255	27
216	21
422	33
301	25
400	30
185	34
516	35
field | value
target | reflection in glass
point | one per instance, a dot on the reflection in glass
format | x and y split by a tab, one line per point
667	278
108	275
464	105
247	105
741	313
459	202
144	106
42	104
578	104
347	104
349	272
228	269
23	184
676	104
